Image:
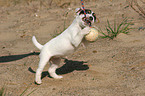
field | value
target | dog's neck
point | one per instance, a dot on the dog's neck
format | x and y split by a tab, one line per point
77	22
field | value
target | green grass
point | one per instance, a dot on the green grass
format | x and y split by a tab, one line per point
113	31
2	93
22	94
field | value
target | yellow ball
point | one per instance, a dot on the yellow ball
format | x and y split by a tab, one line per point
93	35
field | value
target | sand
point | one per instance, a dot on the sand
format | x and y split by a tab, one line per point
104	68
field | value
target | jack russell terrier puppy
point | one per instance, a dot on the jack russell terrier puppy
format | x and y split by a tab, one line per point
64	43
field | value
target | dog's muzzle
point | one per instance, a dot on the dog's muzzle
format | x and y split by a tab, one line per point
88	20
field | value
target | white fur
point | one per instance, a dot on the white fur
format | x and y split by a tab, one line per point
61	45
38	45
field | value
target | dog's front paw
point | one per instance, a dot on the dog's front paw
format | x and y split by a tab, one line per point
86	30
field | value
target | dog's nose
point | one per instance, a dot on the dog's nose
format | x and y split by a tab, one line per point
91	18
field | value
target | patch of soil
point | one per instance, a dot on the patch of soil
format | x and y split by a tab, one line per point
105	67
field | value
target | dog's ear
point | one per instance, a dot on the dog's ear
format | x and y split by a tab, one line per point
78	10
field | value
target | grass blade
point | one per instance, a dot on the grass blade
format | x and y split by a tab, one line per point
119	27
2	91
105	36
122	23
108	31
110	27
115	26
31	92
125	28
24	91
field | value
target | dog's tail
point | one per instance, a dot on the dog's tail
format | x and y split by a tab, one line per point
38	45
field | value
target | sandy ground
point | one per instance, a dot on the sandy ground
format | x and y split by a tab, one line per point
104	68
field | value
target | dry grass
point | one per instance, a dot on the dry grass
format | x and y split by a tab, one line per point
44	3
134	4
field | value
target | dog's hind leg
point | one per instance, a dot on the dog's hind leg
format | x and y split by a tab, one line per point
54	63
44	58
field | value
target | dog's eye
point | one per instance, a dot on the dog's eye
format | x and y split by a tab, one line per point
91	18
82	12
88	11
94	14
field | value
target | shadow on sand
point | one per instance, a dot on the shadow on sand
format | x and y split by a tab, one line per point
10	58
68	67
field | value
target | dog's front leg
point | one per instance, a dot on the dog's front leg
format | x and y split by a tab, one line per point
85	31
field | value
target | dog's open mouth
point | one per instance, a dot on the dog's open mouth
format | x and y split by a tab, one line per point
87	21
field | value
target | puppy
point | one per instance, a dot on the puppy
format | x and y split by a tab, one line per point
63	44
